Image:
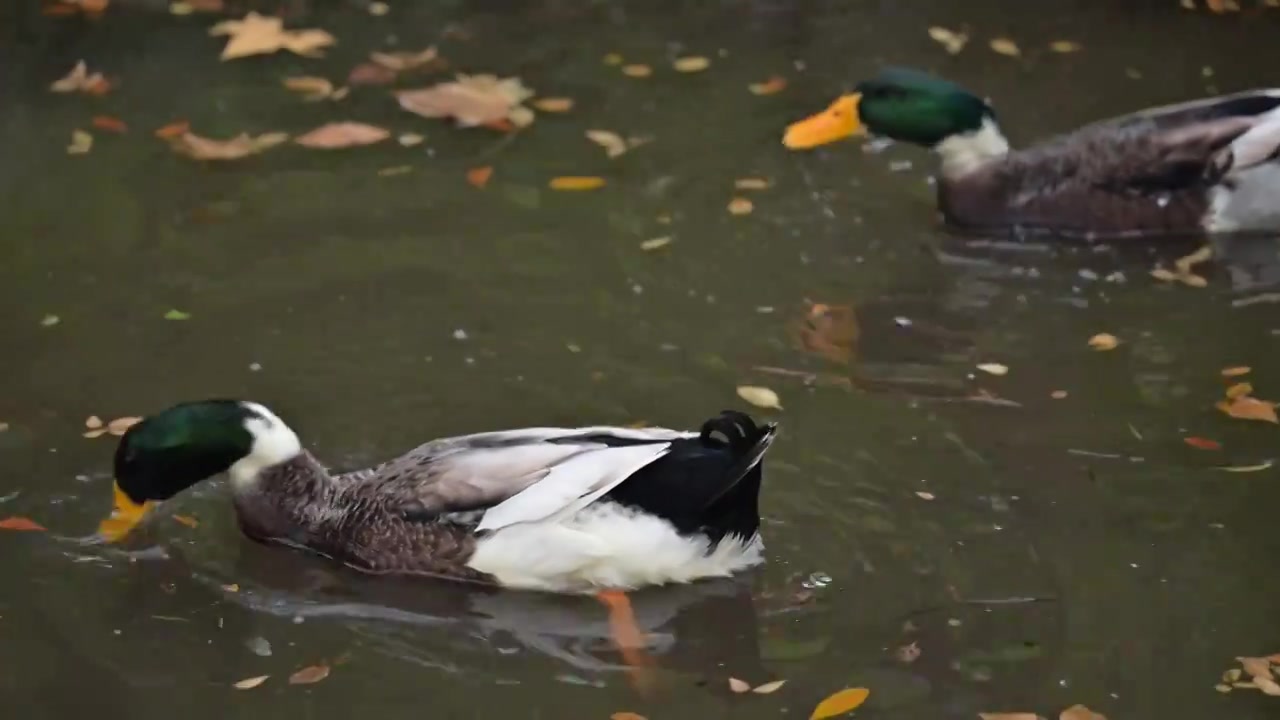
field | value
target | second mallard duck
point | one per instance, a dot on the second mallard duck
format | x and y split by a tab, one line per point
1208	166
558	509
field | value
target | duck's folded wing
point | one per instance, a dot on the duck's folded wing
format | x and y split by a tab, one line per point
517	475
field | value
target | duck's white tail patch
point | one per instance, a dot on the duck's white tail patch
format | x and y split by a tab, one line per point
607	545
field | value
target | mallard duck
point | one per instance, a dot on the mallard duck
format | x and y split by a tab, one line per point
1204	166
556	509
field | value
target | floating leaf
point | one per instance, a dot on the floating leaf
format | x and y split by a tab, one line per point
953	42
739	686
471	100
840	703
1202	443
1236	371
637	71
263	35
775	84
109	124
627	716
173	130
1080	712
994	368
93	422
575	182
479	176
769	688
339	135
176	314
925	495
612	143
411	139
553	104
371	74
311	87
1239	390
1009	716
80	80
187	520
1104	341
1058	394
121	425
751	183
250	683
655	243
691	64
1249	408
309	675
760	396
240	146
1247	468
50	320
15	522
740	206
1005	46
1065	46
379	8
401	61
81	143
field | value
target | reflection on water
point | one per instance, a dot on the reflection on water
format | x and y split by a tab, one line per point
1044	537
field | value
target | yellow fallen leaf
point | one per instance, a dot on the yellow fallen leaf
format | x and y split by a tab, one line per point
691	64
769	688
775	84
739	686
740	206
993	368
760	396
250	683
1065	46
751	183
1239	390
1080	712
263	35
309	675
342	135
840	703
1249	408
1104	341
576	182
553	104
655	243
81	143
1005	46
612	59
1236	371
637	70
953	42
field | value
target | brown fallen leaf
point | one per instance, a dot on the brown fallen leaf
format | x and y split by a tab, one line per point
1239	390
262	35
1104	341
1256	667
187	520
691	64
575	182
1236	371
775	84
402	61
109	124
312	88
1249	408
173	130
471	100
740	206
627	716
479	176
1080	712
342	135
15	522
240	146
309	675
907	653
840	703
80	80
1200	443
250	683
371	74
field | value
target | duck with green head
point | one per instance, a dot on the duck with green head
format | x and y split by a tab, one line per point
1206	166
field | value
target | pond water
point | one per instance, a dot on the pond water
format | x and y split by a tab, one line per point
1069	549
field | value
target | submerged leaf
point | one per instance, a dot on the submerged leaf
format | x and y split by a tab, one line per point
637	70
309	675
576	182
624	715
80	80
760	396
1005	46
691	64
655	243
1065	46
479	176
1202	443
176	314
187	520
122	424
775	84
840	703
401	61
553	104
740	206
81	143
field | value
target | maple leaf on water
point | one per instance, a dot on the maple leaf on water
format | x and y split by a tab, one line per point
472	100
242	145
262	35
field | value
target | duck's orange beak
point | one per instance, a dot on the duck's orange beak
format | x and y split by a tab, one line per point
125	516
837	122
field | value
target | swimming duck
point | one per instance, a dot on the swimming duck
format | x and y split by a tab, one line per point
1209	165
556	509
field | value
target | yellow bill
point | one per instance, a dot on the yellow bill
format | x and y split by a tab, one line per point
125	516
837	122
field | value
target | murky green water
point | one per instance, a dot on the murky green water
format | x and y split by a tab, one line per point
375	312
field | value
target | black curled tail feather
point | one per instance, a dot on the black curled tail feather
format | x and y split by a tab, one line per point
747	441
